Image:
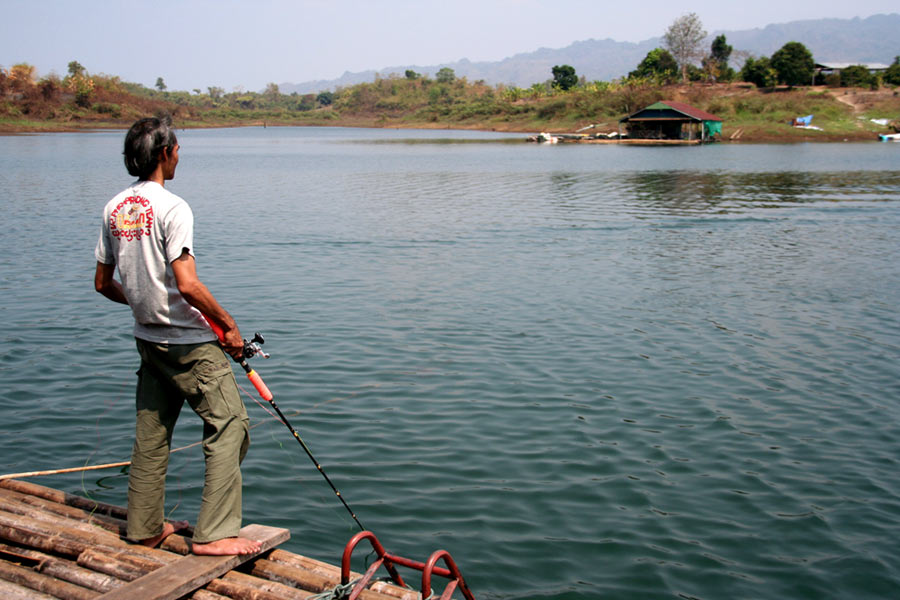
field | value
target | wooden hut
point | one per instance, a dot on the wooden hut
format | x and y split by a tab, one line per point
674	122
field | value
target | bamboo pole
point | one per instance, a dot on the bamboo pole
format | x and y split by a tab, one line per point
243	583
54	535
22	534
297	577
12	591
90	533
115	565
42	583
117	465
234	590
331	575
67	470
63	569
206	595
41	509
60	497
111	524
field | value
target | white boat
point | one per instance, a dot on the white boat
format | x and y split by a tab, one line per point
889	137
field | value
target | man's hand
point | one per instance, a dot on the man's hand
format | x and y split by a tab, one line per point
233	343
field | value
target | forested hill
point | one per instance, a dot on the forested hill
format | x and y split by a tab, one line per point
873	39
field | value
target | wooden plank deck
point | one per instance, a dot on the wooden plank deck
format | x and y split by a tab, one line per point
193	572
58	546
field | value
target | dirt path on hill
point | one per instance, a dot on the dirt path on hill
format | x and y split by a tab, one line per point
854	101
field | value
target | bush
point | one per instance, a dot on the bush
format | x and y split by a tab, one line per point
856	76
325	98
445	75
659	64
892	75
113	110
759	72
833	80
552	108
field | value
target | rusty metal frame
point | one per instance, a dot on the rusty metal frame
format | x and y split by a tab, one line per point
451	571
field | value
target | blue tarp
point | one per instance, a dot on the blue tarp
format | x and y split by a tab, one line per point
803	120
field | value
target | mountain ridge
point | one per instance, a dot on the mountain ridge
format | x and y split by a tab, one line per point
869	39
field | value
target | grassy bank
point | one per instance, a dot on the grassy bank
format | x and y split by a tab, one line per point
749	114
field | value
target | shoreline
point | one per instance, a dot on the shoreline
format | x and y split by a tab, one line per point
789	136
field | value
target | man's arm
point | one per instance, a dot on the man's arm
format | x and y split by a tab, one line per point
107	285
199	296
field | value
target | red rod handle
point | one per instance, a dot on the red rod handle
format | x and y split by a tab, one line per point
216	329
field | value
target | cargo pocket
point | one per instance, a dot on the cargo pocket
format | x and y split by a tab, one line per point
219	393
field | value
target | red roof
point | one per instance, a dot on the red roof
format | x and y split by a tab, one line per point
691	111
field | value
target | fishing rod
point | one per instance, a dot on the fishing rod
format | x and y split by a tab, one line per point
251	349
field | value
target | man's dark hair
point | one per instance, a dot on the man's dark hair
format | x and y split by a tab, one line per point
143	143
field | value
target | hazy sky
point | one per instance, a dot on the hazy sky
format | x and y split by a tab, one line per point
230	44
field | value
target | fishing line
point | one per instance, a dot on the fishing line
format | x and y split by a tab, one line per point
251	349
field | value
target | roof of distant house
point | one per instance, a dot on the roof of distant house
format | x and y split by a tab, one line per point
837	66
663	110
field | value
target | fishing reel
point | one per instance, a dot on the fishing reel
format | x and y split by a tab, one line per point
252	347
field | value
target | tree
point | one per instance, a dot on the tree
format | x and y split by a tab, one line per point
794	64
683	39
716	64
21	76
759	71
720	51
215	92
325	98
75	69
272	91
564	77
445	75
892	75
659	64
410	74
856	76
160	84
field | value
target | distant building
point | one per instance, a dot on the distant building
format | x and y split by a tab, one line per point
835	67
672	121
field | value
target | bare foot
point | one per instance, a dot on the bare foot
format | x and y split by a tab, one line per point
227	547
168	529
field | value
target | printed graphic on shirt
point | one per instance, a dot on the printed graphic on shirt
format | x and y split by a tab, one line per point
131	219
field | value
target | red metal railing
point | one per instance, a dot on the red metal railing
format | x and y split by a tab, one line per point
389	561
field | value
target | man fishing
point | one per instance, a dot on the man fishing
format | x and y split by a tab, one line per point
147	232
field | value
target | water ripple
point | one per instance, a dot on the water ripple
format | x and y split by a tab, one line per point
585	372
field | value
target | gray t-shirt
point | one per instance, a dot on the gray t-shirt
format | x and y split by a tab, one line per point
146	227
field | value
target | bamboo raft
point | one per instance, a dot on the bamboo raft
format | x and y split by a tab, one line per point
55	545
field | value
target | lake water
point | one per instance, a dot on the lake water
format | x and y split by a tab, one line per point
585	371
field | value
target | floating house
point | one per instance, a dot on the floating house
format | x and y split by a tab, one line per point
671	122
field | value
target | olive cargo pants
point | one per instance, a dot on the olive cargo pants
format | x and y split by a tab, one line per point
200	374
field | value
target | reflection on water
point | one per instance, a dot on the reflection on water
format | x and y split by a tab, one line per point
676	365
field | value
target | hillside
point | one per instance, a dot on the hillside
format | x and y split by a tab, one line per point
839	40
84	101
